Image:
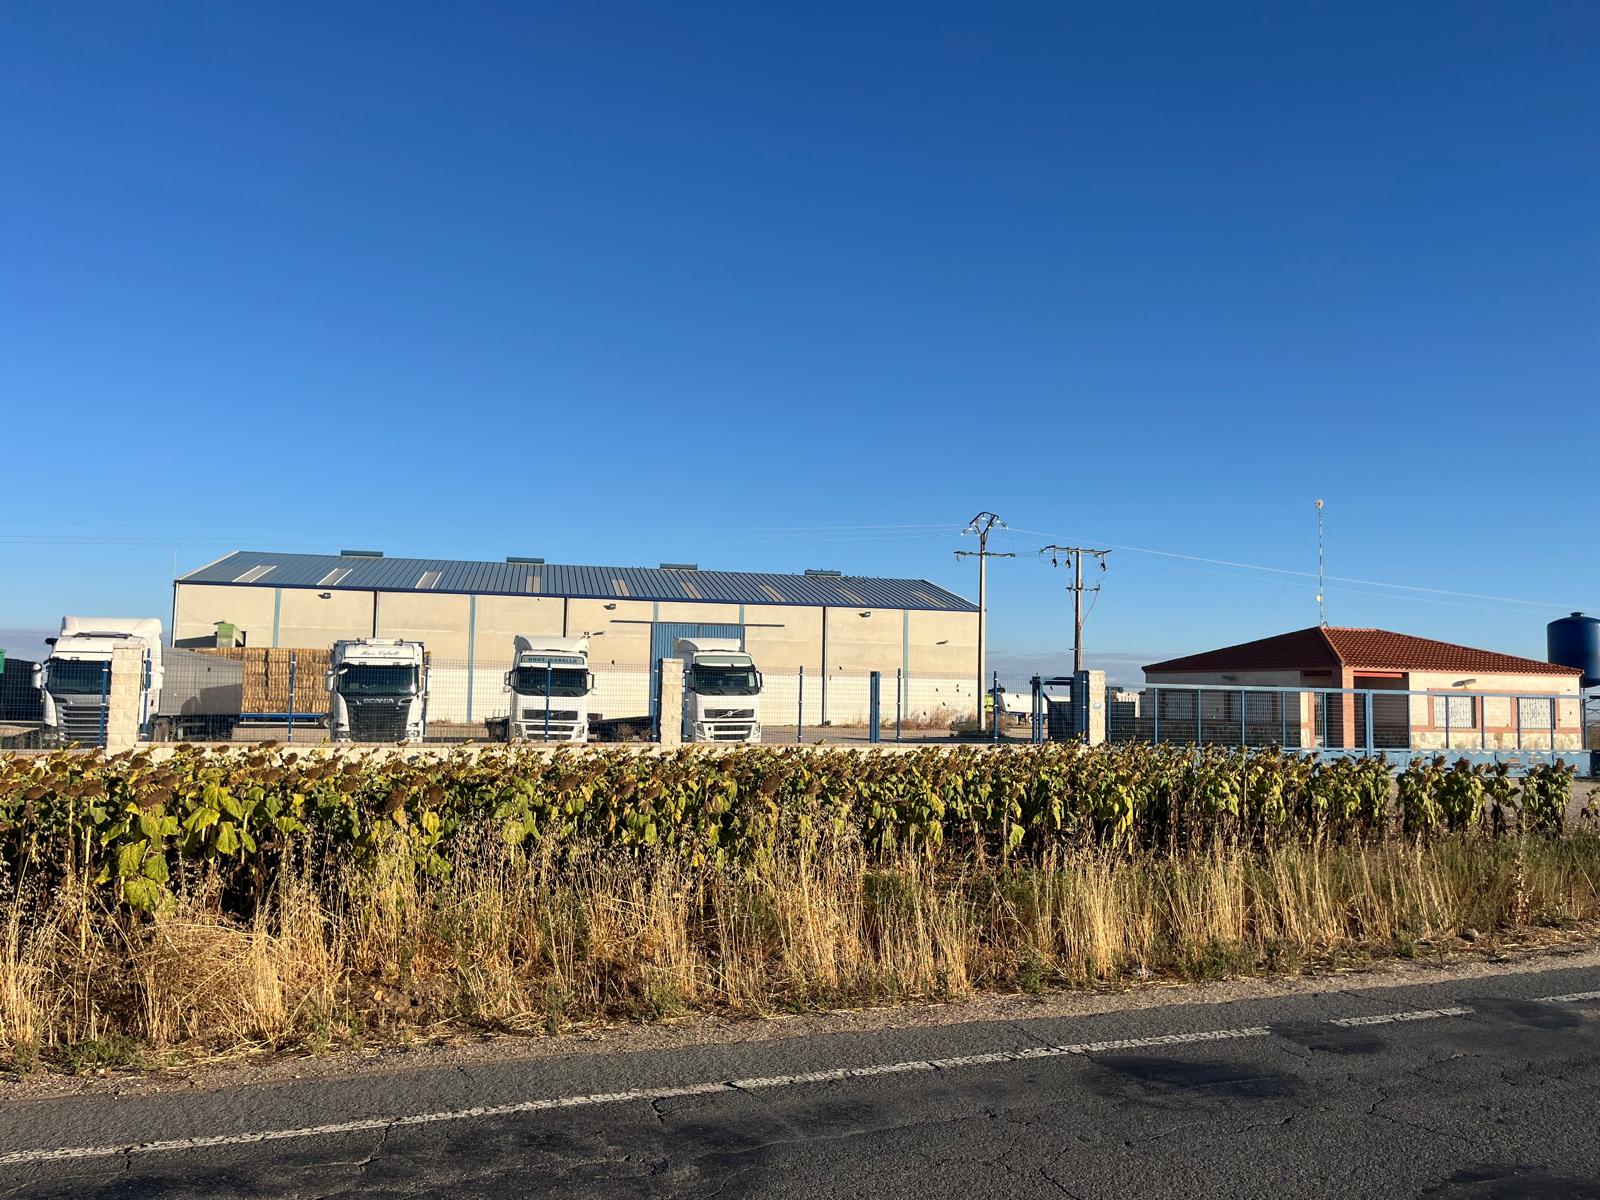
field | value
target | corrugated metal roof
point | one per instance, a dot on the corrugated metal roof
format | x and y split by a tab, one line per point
553	579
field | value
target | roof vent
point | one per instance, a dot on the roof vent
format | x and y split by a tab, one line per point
680	566
361	554
512	558
824	574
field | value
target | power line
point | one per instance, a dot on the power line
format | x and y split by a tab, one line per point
1224	562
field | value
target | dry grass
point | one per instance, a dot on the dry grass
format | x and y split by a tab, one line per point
522	943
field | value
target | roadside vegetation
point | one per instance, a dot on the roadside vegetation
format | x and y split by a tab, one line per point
212	902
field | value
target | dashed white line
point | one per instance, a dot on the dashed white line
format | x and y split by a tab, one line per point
709	1087
756	1083
1417	1014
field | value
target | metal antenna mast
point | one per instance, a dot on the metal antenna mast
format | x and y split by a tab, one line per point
1322	608
981	525
1075	554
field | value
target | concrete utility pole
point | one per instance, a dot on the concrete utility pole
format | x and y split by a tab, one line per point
1075	554
981	525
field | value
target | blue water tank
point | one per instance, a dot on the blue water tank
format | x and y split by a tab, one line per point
1575	642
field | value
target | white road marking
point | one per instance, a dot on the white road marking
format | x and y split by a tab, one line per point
1419	1014
1569	998
710	1087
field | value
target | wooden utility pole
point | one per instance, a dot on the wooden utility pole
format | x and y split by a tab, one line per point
1075	555
981	525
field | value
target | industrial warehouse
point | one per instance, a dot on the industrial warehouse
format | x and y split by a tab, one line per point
816	636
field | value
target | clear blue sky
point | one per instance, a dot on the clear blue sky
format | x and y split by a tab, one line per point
766	288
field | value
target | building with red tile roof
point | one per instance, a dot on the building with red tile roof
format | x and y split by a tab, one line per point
1460	697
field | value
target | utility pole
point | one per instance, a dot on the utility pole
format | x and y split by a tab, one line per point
1075	555
981	525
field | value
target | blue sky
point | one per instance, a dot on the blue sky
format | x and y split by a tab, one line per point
772	289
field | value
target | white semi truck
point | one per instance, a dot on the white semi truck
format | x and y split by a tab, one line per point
377	691
721	691
181	693
548	689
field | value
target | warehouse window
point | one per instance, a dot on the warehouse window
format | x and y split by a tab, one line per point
334	577
254	573
430	579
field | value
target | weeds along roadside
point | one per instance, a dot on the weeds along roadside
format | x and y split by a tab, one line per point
311	902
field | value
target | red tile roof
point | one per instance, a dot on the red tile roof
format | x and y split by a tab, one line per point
1324	648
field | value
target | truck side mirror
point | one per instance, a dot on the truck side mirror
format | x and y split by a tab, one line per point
506	679
758	681
38	677
327	681
591	681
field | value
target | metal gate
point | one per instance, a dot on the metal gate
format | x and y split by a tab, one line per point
663	636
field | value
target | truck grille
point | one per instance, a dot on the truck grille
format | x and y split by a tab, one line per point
378	722
537	714
730	714
82	723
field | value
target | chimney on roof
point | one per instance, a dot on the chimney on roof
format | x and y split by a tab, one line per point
361	554
534	562
826	574
680	566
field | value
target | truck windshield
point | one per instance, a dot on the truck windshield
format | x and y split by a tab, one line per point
724	681
65	676
360	679
563	681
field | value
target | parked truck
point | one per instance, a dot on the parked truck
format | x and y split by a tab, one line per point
548	690
721	691
181	693
377	690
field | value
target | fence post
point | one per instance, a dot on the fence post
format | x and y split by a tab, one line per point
874	686
1447	707
897	702
549	679
1155	716
994	706
1033	730
1553	703
800	708
1519	727
1244	737
425	675
105	705
1199	717
291	696
1369	698
1283	720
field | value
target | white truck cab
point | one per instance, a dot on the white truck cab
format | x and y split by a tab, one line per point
377	691
721	691
74	682
548	689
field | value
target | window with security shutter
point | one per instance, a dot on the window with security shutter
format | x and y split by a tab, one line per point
1458	712
1533	712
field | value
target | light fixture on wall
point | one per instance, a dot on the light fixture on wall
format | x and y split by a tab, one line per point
324	595
863	614
610	607
1464	683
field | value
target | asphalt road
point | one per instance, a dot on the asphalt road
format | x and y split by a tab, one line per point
1484	1089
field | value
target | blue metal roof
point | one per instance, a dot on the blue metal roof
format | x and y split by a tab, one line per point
554	579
